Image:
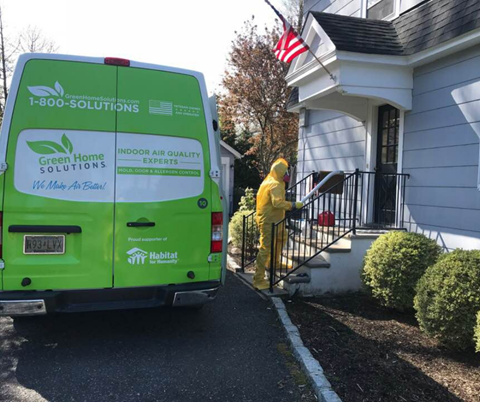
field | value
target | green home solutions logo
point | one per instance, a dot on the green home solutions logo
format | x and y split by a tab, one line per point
64	159
56	97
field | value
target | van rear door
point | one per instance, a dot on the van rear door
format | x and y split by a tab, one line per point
163	208
59	186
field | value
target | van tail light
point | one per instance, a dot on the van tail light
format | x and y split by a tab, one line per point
115	61
217	232
1	237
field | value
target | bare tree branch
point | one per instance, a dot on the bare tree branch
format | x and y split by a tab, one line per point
30	40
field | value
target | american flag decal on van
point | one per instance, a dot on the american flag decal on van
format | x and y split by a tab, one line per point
160	107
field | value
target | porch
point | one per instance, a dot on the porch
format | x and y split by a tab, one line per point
320	247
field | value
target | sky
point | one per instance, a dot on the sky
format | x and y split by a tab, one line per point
190	34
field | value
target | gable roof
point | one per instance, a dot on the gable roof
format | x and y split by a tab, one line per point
360	35
230	149
432	23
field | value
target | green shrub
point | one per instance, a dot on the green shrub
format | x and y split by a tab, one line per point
246	207
236	229
476	336
247	202
448	298
394	264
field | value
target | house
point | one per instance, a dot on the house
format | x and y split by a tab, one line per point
228	155
418	61
397	102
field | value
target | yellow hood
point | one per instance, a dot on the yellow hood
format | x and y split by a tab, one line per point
278	170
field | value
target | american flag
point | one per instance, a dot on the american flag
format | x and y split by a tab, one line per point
291	43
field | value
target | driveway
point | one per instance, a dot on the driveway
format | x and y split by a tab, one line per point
232	350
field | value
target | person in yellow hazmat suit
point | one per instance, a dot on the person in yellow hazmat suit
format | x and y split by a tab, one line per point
271	207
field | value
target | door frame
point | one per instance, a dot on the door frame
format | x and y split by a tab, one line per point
371	153
225	161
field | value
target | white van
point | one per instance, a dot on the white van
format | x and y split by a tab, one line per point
110	190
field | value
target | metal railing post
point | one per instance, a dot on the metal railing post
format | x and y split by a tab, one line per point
243	245
272	258
355	200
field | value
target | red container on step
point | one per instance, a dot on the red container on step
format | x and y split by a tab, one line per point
326	218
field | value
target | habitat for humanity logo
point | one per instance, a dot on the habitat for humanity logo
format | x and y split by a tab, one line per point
136	256
56	97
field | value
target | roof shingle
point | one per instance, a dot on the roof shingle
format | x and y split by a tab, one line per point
431	23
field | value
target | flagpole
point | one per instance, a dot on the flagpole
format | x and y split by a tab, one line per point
319	62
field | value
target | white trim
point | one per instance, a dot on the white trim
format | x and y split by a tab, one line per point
390	17
424	57
225	161
234	152
400	189
311	29
24	58
401	127
444	49
478	177
371	156
363	8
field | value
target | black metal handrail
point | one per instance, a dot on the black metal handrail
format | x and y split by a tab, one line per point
354	203
383	200
250	235
298	190
250	240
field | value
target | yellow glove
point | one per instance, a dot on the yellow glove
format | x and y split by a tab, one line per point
298	205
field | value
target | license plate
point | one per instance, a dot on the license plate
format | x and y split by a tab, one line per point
44	244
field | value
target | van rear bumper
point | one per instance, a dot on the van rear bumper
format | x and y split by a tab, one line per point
14	303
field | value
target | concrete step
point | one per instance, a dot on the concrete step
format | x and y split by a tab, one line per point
297	278
310	247
277	291
316	262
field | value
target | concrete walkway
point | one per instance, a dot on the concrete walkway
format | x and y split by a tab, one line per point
233	350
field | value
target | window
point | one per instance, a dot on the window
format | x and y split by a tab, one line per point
380	9
389	123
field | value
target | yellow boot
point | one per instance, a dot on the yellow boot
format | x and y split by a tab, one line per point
261	285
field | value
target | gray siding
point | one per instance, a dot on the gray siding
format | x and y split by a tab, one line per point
343	7
441	151
332	141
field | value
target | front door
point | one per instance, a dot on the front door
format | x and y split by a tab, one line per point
386	168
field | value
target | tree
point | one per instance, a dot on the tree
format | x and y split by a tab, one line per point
294	13
255	97
7	52
30	40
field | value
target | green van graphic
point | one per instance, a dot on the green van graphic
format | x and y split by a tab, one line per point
50	147
105	166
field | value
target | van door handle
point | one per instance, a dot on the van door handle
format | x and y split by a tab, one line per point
139	224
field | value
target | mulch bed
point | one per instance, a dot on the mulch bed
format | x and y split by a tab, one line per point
373	354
